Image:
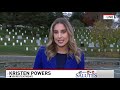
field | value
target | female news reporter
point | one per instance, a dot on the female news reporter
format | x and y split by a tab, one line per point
61	51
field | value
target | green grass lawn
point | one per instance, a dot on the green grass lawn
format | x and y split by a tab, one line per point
21	50
18	50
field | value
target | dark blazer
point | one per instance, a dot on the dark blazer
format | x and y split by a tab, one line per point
41	61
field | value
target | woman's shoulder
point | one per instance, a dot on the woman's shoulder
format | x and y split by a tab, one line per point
42	48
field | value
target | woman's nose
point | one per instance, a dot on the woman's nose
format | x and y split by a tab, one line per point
59	35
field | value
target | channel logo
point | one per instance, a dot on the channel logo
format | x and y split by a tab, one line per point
87	74
108	16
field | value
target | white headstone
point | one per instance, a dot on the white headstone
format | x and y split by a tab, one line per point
0	28
118	50
22	34
12	30
26	37
26	48
91	50
38	29
44	41
33	38
46	38
31	41
13	44
13	37
86	42
97	45
24	41
1	39
111	50
5	43
25	31
38	42
111	45
98	50
117	46
20	43
6	30
77	36
82	37
7	36
9	33
85	49
15	33
19	37
17	41
35	48
40	38
91	44
8	39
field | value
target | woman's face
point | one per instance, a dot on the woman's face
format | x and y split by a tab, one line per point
60	35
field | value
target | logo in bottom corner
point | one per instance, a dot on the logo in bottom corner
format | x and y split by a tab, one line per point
86	74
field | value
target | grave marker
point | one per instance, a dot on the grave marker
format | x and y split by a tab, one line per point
35	48
13	44
5	44
26	48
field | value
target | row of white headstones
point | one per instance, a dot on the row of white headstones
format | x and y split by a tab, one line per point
85	40
19	31
21	43
82	37
90	43
5	44
20	37
27	49
37	41
16	33
78	37
99	50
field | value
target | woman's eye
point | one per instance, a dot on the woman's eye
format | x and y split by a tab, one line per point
63	31
55	32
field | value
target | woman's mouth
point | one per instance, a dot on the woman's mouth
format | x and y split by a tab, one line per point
60	41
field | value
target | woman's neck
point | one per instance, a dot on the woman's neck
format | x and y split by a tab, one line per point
62	50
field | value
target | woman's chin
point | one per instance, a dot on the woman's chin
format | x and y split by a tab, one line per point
61	45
